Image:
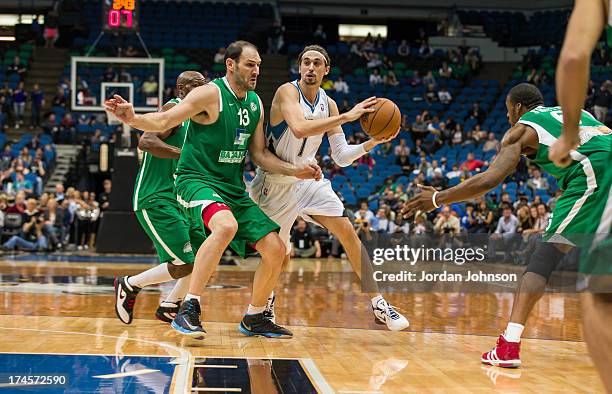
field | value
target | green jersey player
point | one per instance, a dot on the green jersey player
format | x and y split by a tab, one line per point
160	215
226	122
586	23
535	129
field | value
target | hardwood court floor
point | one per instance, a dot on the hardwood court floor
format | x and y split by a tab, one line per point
67	308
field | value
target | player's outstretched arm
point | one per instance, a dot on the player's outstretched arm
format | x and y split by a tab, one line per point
201	99
584	29
504	164
289	103
342	153
262	157
152	143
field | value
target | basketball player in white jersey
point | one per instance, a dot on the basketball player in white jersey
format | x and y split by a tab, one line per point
300	115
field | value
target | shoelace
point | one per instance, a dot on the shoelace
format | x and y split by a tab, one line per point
392	313
193	313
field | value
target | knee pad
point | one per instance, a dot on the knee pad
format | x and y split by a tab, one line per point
178	271
544	260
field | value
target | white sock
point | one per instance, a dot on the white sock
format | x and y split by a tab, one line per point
376	299
189	296
151	276
179	290
271	295
253	310
513	332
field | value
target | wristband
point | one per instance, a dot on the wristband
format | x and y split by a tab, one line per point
433	200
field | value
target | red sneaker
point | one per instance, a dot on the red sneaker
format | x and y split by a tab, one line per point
505	354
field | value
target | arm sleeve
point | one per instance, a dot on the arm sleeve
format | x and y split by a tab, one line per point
343	153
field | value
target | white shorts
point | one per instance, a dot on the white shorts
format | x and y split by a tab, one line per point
283	202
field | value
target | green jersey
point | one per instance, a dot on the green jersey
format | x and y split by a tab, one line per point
548	122
155	180
215	153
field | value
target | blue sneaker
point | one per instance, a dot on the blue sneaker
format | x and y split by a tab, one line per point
258	325
187	320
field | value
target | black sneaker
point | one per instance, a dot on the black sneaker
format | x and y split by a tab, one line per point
125	297
187	320
167	313
258	325
269	311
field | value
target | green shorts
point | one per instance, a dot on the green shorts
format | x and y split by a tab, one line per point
176	238
253	223
584	211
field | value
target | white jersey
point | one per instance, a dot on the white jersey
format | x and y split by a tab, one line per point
281	140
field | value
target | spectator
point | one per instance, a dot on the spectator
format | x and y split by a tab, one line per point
445	71
416	78
454	173
345	107
471	164
424	49
38	101
109	75
391	79
59	193
340	86
384	223
537	182
67	128
51	32
19	102
447	223
22	184
5	108
31	237
419	126
374	61
303	242
219	56
429	79
59	100
404	162
19	204
430	95
124	74
468	220
444	96
403	49
276	38
402	148
525	222
38	168
457	135
375	78
477	113
602	100
438	181
149	87
491	143
327	84
364	212
51	126
505	235
319	35
17	68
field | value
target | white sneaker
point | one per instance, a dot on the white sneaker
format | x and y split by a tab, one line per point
269	311
385	314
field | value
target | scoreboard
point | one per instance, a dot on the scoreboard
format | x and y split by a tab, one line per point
120	15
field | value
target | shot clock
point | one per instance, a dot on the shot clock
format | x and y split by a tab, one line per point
120	15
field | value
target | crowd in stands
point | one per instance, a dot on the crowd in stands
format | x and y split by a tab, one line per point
65	219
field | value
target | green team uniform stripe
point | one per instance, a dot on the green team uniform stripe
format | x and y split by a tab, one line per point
585	207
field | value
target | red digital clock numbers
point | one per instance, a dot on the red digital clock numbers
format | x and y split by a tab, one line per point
120	14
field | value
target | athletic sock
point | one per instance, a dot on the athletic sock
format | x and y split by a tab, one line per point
151	276
190	296
179	290
513	332
253	310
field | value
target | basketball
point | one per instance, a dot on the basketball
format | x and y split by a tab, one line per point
384	122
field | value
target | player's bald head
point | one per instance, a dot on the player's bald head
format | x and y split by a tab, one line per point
187	81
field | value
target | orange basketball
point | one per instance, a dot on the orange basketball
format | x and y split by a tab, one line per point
384	122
